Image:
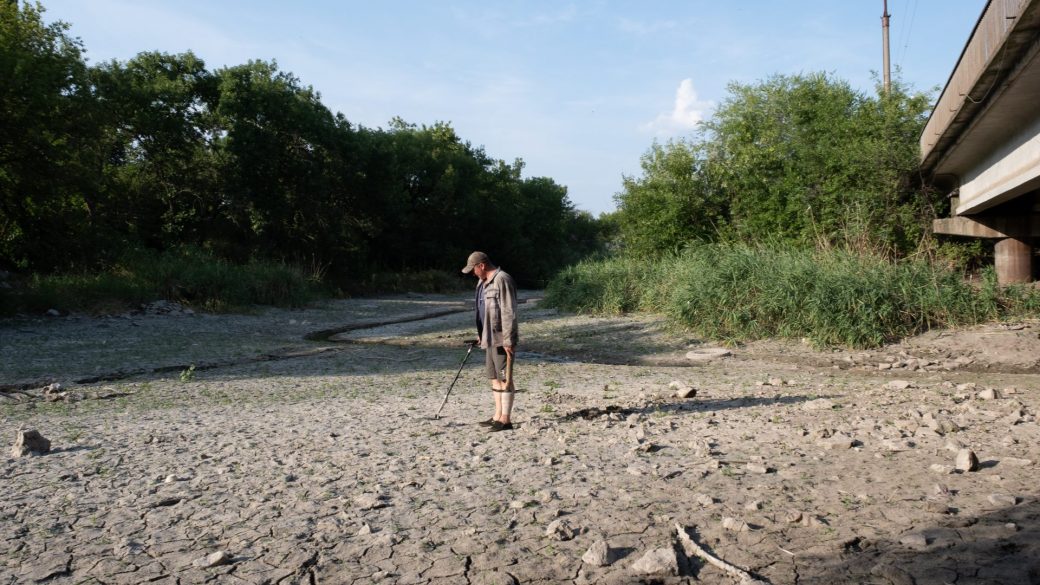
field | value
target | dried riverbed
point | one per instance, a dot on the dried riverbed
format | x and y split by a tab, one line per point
192	448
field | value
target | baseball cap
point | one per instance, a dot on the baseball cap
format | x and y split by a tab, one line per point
474	259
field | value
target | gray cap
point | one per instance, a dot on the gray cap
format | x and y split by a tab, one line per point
474	259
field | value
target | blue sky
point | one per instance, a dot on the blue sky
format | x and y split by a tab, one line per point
578	90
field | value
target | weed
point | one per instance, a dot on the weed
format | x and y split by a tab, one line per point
189	374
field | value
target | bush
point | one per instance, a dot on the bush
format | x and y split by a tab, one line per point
189	276
832	297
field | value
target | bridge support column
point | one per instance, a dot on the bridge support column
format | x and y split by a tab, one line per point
1014	260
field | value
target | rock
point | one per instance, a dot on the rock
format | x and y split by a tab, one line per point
659	561
686	393
941	469
793	516
753	506
53	313
706	354
598	554
704	500
990	394
560	529
54	388
936	507
819	404
1002	500
967	461
214	560
898	385
365	530
30	442
955	445
759	468
735	525
892	574
370	501
914	540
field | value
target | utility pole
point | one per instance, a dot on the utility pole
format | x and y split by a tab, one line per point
884	42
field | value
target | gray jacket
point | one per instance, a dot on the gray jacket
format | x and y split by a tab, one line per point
500	311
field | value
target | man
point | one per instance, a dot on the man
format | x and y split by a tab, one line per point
497	332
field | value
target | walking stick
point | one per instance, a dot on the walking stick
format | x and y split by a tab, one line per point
509	372
457	374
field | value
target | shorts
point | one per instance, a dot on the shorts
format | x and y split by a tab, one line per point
495	363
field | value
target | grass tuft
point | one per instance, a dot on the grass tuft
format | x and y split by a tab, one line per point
831	297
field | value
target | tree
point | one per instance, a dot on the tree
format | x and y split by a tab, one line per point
44	118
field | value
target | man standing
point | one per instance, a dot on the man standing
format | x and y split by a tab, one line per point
497	332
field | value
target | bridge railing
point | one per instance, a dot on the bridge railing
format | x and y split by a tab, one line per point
983	49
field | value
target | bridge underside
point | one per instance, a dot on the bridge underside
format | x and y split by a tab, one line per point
982	142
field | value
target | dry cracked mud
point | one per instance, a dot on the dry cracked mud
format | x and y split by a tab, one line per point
301	448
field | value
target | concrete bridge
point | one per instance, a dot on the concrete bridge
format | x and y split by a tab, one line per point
982	142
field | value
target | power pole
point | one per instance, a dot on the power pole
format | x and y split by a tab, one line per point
884	42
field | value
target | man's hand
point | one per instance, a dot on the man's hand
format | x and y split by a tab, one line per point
509	349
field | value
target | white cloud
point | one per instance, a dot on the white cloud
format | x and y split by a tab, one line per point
687	112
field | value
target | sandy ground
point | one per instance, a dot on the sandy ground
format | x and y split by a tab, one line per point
194	448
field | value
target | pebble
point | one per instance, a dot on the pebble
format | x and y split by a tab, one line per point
214	560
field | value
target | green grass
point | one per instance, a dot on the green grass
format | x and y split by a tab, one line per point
189	276
833	298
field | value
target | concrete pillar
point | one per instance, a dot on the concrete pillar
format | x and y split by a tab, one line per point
1014	260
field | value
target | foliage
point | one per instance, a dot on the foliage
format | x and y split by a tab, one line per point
245	162
802	159
832	297
190	276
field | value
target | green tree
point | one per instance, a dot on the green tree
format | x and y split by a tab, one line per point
802	159
45	104
670	204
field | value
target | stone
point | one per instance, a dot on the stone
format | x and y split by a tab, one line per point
898	385
941	469
30	442
735	525
990	394
704	500
598	554
707	354
753	506
967	460
758	468
660	561
914	540
1002	500
793	516
560	529
370	501
819	404
213	560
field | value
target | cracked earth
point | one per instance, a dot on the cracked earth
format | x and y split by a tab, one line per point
299	446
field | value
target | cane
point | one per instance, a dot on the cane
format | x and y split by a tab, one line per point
457	374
